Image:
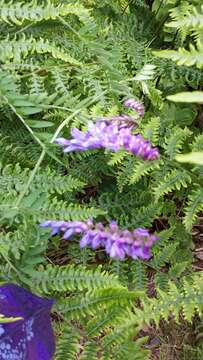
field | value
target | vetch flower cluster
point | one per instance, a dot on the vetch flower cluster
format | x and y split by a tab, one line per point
112	134
135	105
117	243
111	137
123	121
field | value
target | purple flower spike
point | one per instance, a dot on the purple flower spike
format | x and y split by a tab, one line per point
111	136
32	337
123	121
135	105
68	228
116	242
62	142
140	147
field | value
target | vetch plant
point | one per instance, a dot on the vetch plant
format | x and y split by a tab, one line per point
117	243
112	135
135	105
102	52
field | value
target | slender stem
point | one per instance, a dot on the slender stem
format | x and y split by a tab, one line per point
160	5
10	263
23	29
24	123
158	29
70	27
43	153
56	107
76	112
61	126
125	8
32	175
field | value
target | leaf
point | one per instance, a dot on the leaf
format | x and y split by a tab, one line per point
187	97
30	110
193	158
146	73
39	124
44	136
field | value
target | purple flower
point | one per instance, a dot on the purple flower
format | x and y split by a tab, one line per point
56	226
111	137
32	337
117	243
123	121
135	105
140	147
68	228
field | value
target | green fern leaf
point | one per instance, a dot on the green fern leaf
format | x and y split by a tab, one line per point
175	141
151	130
194	205
197	144
67	344
105	320
191	19
90	351
17	49
193	56
138	276
19	12
164	256
70	278
94	301
143	168
172	181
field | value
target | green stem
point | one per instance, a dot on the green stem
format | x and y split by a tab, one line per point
70	28
24	123
32	175
43	153
160	5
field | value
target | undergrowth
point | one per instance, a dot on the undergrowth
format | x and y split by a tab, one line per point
62	64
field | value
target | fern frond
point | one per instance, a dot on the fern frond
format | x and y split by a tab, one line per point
121	333
117	158
18	49
23	240
187	298
91	303
146	73
132	350
58	209
145	215
192	19
17	13
104	320
13	177
179	14
175	141
143	168
56	183
138	276
193	56
70	278
197	144
36	85
67	344
151	130
174	180
164	256
90	351
194	205
161	281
